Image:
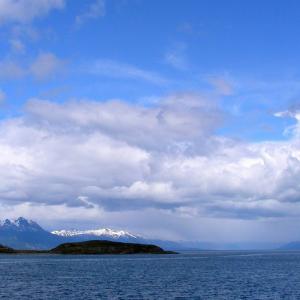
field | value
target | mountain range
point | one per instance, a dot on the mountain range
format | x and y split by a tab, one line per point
27	234
105	232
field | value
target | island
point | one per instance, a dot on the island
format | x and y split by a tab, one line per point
6	250
107	247
93	247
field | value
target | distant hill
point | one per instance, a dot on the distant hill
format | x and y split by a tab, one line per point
93	247
6	250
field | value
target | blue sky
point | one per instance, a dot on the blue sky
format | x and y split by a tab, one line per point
108	107
251	46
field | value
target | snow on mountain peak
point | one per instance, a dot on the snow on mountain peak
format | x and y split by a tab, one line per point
20	223
96	232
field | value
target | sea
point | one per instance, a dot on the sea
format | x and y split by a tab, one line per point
193	275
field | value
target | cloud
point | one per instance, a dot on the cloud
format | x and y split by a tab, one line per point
223	85
95	10
178	119
24	11
113	69
176	60
10	69
176	57
2	96
45	65
294	113
124	157
17	45
89	148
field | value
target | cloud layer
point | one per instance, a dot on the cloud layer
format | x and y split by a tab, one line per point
117	156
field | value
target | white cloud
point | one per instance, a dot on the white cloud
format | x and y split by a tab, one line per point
115	69
124	157
23	11
46	65
95	10
87	147
175	121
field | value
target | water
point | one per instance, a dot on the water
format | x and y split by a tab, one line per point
204	275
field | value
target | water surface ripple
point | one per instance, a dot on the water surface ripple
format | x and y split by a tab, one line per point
203	275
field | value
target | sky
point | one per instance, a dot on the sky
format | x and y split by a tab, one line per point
177	120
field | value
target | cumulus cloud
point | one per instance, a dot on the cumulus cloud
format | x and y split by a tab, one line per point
115	156
176	121
95	10
87	148
23	11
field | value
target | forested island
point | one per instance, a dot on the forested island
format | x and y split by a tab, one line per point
93	247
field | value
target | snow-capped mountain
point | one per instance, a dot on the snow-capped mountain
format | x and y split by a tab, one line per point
20	224
26	234
102	232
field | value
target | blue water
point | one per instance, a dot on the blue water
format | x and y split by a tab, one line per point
205	275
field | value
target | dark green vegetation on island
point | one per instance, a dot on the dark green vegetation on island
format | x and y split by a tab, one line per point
94	247
107	247
4	249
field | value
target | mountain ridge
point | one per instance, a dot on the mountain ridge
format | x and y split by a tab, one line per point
96	232
27	234
21	233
